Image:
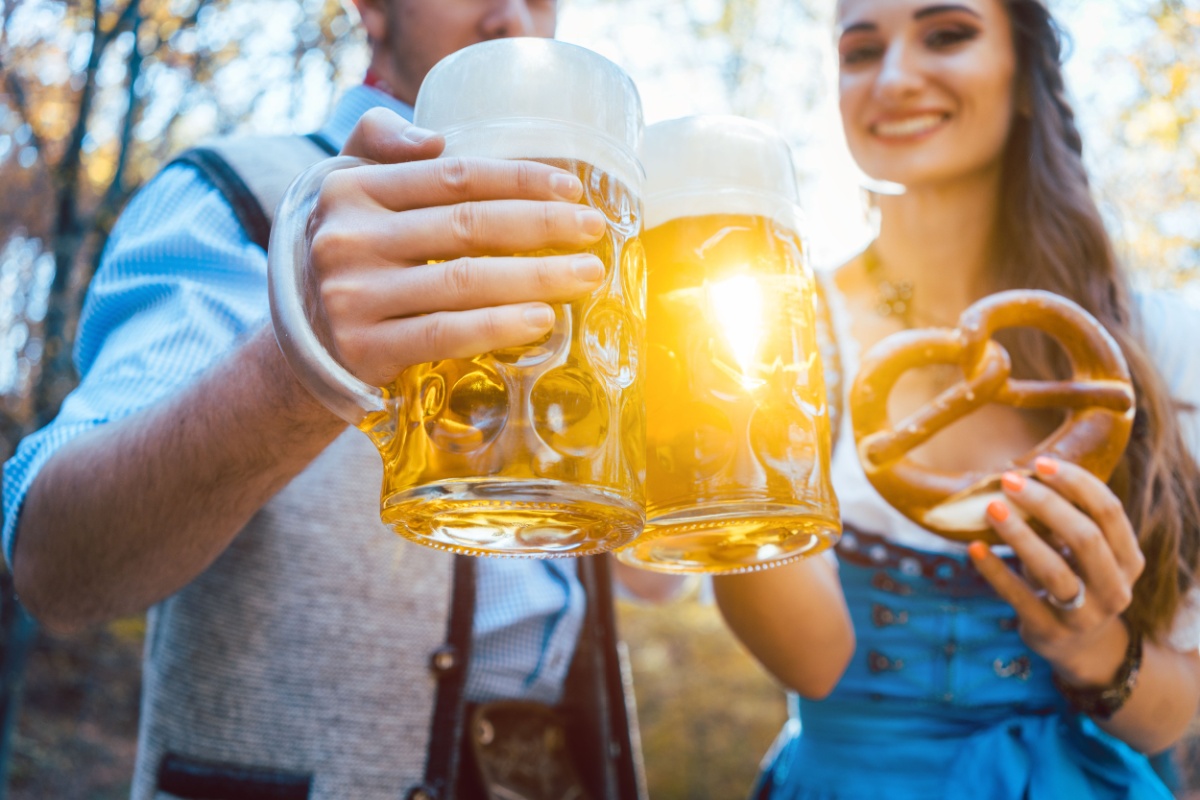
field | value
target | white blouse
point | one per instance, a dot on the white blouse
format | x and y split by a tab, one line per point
1171	330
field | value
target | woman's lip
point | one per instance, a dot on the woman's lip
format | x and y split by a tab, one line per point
909	127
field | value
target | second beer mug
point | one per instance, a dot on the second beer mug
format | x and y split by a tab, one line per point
738	425
530	451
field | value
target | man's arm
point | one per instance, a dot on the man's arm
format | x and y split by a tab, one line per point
129	513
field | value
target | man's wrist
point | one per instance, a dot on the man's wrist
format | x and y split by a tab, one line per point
292	398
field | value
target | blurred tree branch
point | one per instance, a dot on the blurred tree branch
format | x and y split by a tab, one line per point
100	94
72	224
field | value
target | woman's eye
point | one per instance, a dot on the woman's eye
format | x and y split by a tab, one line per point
948	37
861	55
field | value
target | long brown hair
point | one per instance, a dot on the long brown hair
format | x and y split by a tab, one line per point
1050	235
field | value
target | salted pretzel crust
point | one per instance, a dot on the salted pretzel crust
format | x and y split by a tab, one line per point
1098	400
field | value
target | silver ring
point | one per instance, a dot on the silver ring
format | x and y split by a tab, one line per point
1073	604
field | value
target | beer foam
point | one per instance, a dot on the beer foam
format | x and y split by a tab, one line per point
535	98
703	165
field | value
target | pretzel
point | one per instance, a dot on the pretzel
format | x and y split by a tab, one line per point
1098	399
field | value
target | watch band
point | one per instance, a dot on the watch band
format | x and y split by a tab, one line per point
1103	701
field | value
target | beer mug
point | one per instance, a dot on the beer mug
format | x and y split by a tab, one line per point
536	450
738	431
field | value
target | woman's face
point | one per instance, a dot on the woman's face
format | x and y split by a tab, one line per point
925	87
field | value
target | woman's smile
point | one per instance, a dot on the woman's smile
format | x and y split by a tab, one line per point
909	127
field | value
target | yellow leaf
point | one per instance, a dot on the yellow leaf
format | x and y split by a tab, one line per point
1179	79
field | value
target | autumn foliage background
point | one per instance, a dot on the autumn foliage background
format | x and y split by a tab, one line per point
95	95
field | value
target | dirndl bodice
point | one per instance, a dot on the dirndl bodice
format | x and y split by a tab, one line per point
942	699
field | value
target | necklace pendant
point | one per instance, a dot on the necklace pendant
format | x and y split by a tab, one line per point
895	299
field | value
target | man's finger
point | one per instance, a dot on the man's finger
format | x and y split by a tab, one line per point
384	136
445	181
391	347
491	228
465	283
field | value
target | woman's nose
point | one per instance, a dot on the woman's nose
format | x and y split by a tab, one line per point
900	74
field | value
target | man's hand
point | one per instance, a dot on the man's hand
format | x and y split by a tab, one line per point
397	251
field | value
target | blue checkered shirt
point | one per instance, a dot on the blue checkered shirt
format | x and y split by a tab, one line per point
179	285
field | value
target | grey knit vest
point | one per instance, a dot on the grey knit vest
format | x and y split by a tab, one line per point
306	647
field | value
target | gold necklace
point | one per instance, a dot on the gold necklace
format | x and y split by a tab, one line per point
892	298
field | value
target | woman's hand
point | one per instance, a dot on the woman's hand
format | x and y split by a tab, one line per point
375	230
1078	580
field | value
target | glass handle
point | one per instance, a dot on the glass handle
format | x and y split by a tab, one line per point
287	268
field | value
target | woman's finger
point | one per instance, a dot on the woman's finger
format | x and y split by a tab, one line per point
392	292
1036	617
1040	561
1098	501
379	353
1075	530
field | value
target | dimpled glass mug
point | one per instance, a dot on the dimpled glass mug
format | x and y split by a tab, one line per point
738	423
529	451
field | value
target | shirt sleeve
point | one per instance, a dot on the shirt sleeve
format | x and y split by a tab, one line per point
1171	328
179	283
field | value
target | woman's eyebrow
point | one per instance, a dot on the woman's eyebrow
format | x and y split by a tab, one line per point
920	13
856	27
929	11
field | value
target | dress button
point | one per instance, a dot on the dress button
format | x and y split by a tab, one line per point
877	662
444	660
884	582
882	616
1020	667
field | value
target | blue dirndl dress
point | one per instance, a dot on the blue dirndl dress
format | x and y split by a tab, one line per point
942	700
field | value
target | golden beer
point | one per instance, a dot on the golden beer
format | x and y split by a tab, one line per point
537	449
738	437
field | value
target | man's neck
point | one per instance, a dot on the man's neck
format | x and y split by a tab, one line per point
382	76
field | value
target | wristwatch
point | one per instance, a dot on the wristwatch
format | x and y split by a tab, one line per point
1103	701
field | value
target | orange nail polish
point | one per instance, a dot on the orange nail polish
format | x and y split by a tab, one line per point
1013	481
1046	466
978	551
998	511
